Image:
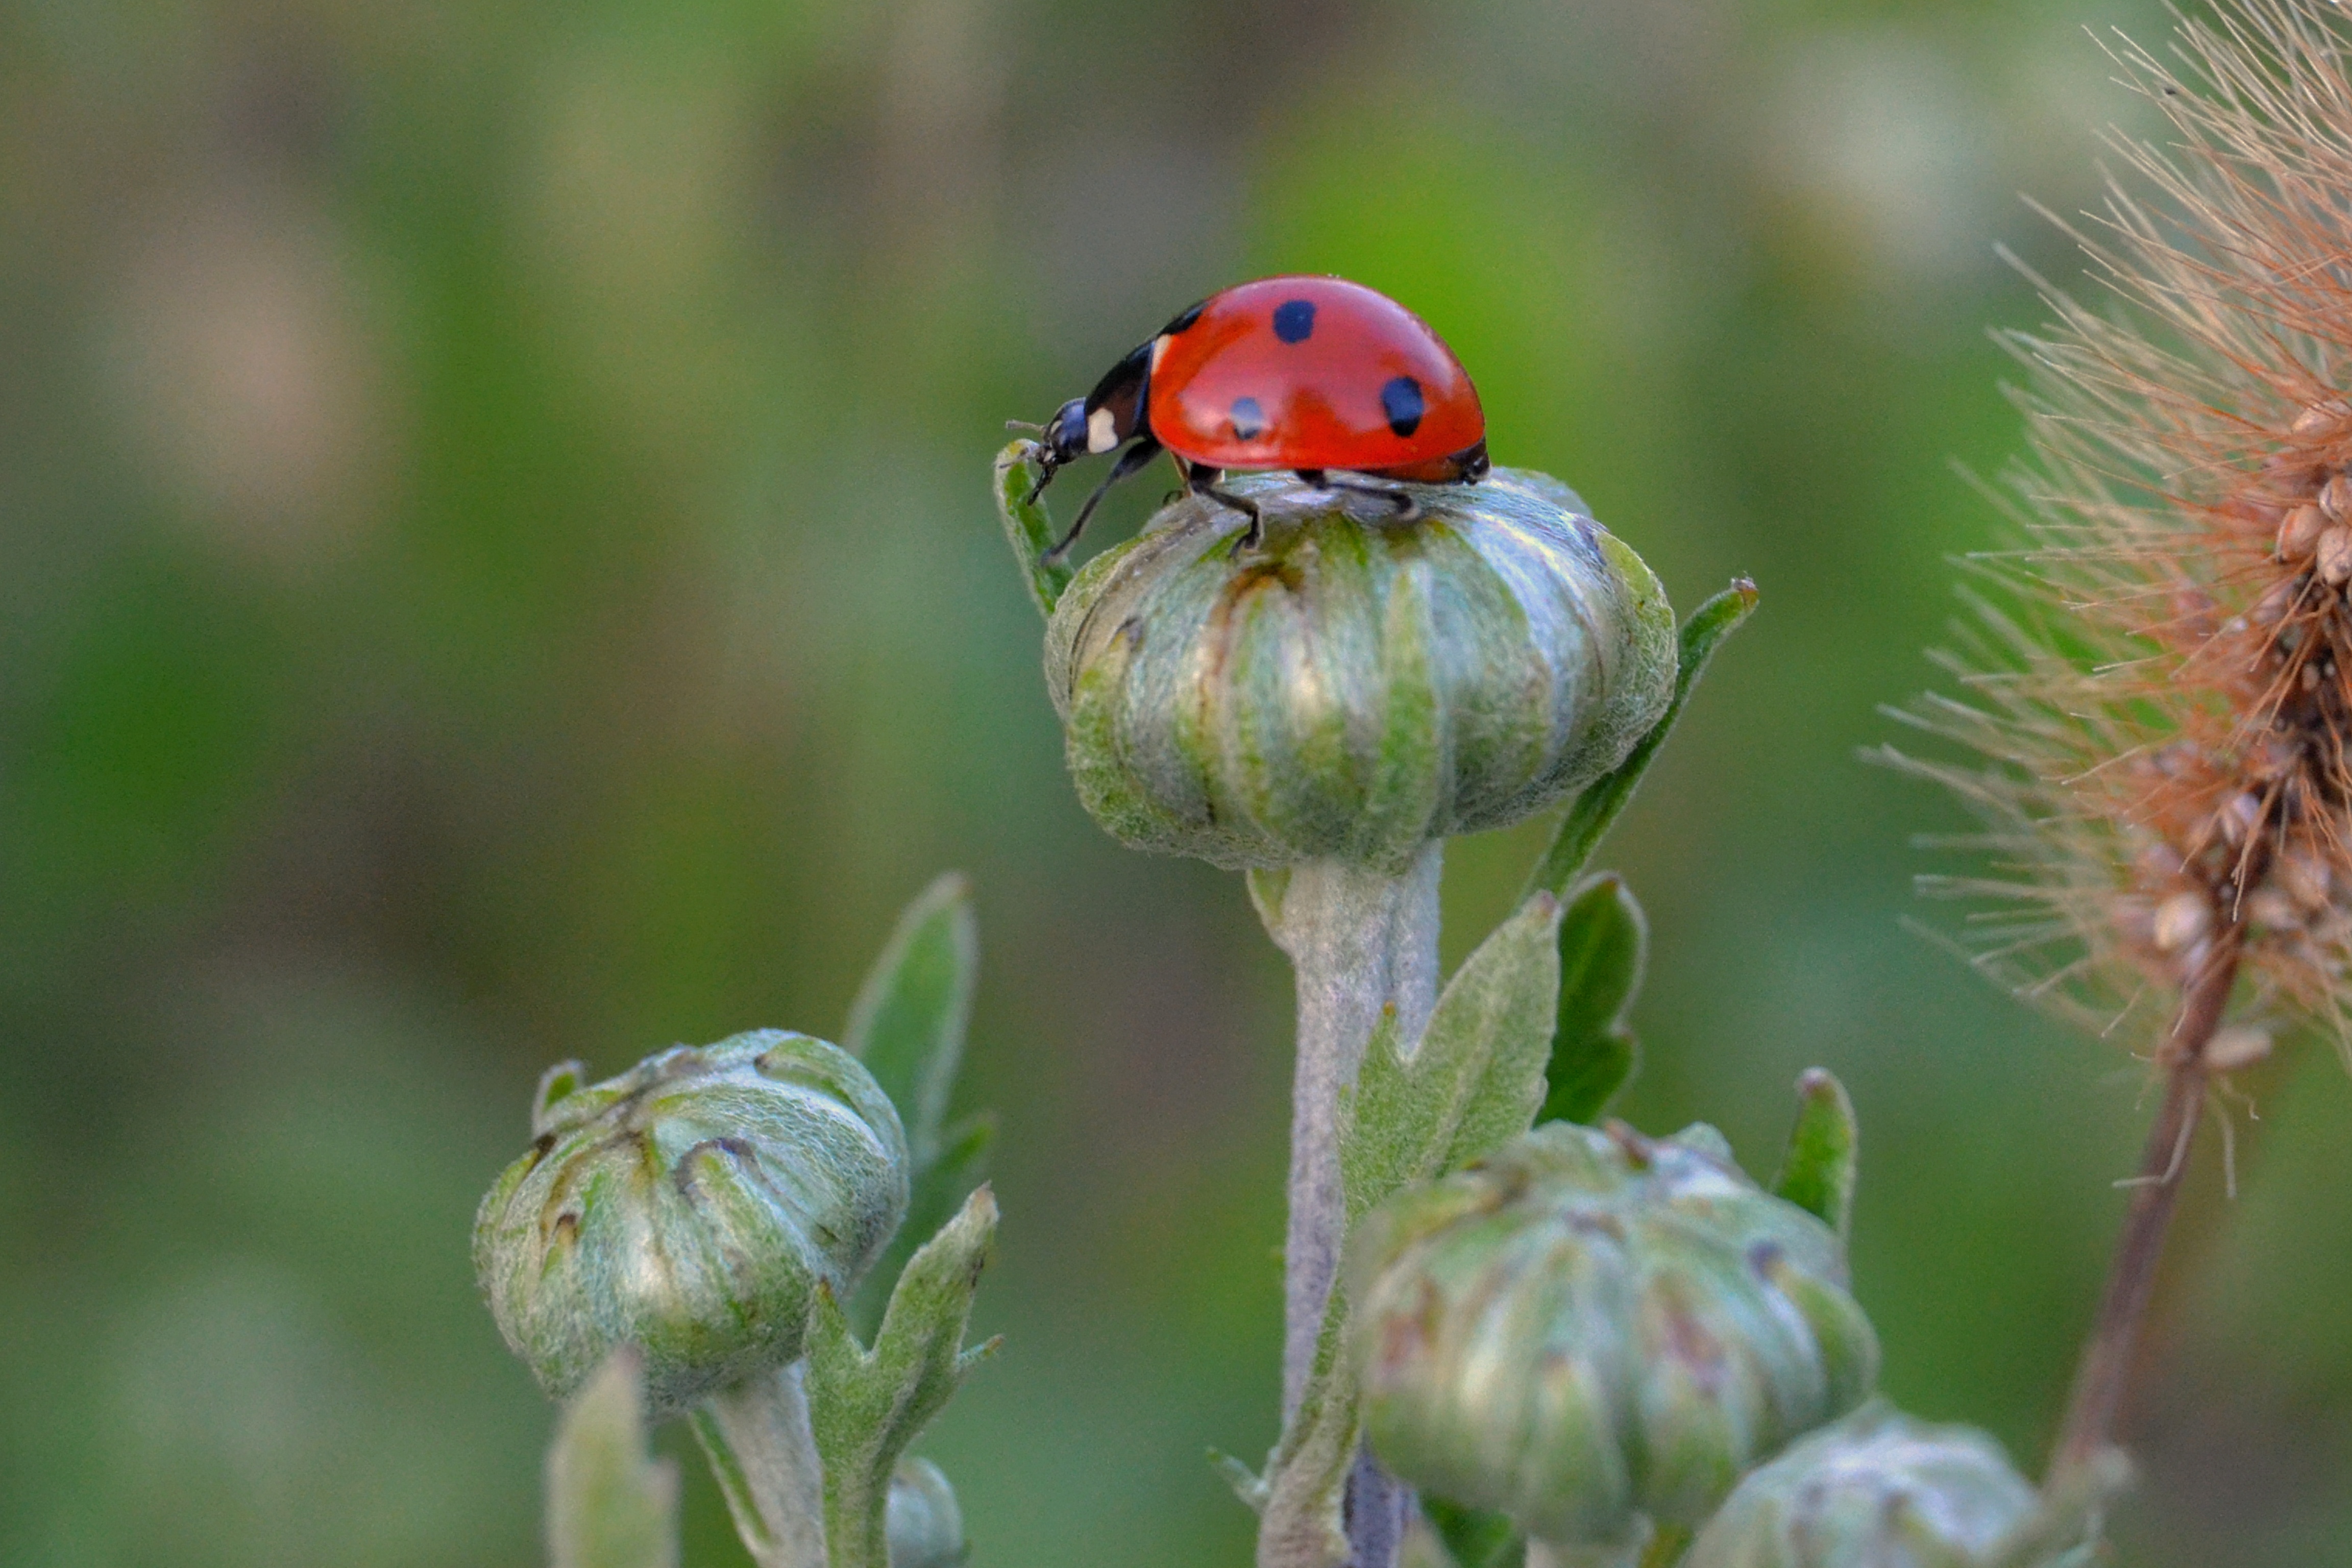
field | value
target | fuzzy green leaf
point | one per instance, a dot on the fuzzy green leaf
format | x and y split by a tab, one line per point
907	1022
1603	945
1589	815
609	1505
1475	1079
1027	528
1817	1174
1472	1538
939	1189
866	1405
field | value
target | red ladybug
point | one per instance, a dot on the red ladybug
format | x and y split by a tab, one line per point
1303	373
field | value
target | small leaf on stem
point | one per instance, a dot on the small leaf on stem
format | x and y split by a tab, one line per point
908	1024
866	1405
1590	814
1027	528
608	1504
1475	1078
1818	1172
1603	946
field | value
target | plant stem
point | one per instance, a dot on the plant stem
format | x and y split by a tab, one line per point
1361	944
1375	1511
2106	1368
759	1445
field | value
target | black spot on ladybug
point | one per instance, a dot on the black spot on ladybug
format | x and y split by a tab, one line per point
1293	321
1183	321
1401	401
1249	419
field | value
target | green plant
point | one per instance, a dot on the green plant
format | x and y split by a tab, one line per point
1515	1332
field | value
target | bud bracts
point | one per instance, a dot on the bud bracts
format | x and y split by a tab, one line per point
690	1207
925	1524
1877	1488
1592	1326
1354	689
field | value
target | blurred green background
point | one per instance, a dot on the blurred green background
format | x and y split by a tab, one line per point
495	563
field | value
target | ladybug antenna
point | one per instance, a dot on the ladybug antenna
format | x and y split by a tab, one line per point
1032	426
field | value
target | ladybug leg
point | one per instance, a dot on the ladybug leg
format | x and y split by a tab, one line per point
1202	481
1402	507
1130	461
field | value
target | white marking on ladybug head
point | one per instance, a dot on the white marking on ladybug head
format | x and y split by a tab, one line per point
1102	430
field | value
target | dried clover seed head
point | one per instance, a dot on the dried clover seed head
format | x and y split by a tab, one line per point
2159	687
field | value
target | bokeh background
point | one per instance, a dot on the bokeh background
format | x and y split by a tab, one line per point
495	563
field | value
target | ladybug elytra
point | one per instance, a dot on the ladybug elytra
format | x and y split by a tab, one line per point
1309	374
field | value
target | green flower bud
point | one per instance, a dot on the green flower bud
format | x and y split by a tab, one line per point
1590	1327
1353	690
690	1207
924	1524
1877	1488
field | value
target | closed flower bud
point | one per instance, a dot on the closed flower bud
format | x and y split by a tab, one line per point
1592	1327
690	1207
1354	689
1877	1488
924	1524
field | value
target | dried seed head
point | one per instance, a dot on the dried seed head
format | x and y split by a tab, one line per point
2240	1046
2321	419
2335	498
2335	555
2157	682
2298	536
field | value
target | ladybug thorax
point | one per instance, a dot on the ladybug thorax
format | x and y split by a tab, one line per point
1308	373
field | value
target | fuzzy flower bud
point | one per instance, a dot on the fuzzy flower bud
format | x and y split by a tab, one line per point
1880	1487
690	1207
1354	689
1590	1327
924	1521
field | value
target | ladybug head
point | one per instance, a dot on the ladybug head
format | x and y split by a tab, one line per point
1065	434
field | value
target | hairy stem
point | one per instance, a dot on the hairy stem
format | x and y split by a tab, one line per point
1361	943
759	1445
2105	1371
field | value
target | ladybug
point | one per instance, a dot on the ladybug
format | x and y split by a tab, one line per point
1304	373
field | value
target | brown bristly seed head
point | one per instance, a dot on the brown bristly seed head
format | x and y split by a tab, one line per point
2159	683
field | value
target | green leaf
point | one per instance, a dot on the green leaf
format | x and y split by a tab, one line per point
1590	814
939	1189
1475	1079
907	1022
866	1405
1604	945
608	1504
1026	526
1817	1174
1472	1538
